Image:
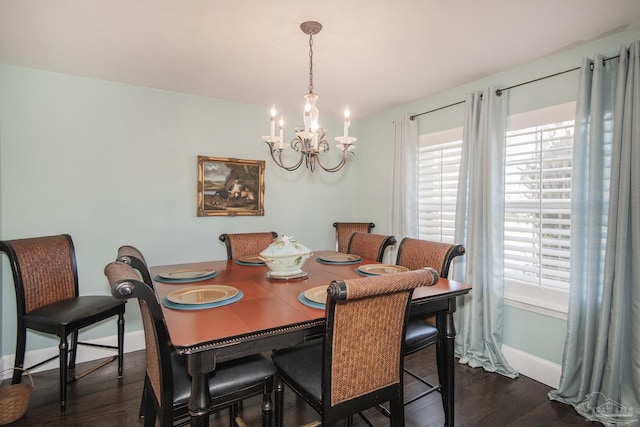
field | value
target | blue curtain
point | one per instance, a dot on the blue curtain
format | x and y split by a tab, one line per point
601	362
480	227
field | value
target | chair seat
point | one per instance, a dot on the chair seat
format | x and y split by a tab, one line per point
419	334
73	314
228	379
302	365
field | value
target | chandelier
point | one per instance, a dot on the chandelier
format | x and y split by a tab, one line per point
310	141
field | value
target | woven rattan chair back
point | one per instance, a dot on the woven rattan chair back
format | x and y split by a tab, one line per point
344	230
364	340
47	270
125	283
246	244
370	246
415	254
133	257
130	255
46	283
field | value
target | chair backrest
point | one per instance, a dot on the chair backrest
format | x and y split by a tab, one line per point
44	270
344	230
364	339
415	254
369	246
125	284
246	244
133	257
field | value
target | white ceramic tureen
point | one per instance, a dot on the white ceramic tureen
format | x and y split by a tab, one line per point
285	256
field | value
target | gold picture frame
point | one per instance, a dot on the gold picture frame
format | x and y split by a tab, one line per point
230	187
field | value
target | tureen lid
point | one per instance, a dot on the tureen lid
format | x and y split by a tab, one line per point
283	246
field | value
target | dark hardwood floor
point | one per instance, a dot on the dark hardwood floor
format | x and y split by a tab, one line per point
482	399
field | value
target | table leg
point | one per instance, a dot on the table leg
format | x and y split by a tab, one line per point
445	350
199	366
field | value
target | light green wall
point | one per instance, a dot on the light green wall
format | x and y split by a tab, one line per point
114	164
374	187
543	335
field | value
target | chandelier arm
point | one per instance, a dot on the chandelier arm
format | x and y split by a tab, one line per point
297	144
336	168
278	161
324	146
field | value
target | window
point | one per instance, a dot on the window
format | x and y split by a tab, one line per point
538	155
439	163
537	214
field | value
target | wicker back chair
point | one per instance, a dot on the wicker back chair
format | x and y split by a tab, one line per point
415	254
45	277
421	331
167	380
130	255
344	230
246	244
133	257
370	246
358	364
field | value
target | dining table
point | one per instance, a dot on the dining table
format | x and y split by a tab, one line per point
268	312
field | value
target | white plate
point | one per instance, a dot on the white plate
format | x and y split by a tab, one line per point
378	269
186	273
317	294
252	259
339	257
205	294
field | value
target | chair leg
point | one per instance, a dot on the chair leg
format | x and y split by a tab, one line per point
21	342
441	363
64	354
279	402
365	419
73	350
397	412
145	401
150	415
234	412
267	404
120	342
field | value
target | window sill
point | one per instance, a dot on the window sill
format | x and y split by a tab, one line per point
546	308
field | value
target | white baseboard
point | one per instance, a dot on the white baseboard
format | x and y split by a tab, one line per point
532	366
133	341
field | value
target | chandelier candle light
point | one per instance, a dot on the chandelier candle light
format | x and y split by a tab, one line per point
310	141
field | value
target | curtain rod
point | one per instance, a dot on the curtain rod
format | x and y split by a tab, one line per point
499	91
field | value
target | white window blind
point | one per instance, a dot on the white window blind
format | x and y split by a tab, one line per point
439	165
537	245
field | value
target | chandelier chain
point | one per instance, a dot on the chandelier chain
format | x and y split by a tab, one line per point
311	63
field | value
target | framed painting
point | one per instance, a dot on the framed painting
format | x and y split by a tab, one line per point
230	187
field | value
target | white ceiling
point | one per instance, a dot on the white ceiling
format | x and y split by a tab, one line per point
371	54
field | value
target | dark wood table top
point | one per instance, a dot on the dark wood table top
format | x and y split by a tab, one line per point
267	304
